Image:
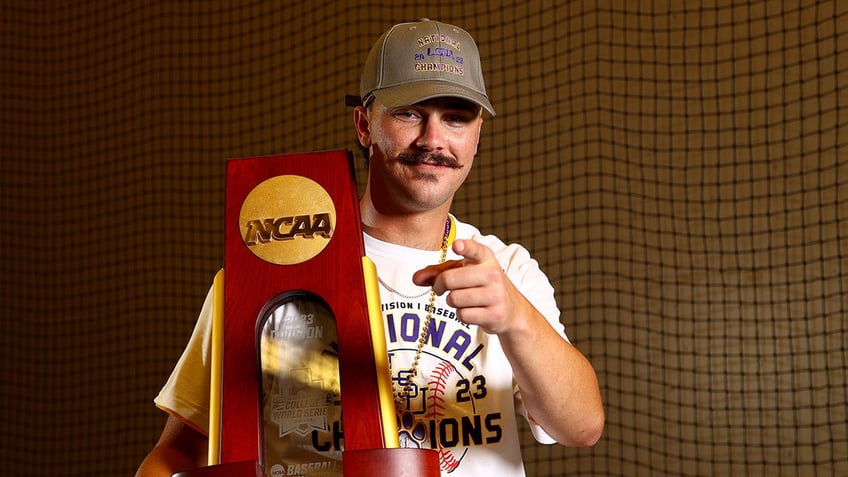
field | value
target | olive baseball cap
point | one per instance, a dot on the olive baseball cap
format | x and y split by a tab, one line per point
413	62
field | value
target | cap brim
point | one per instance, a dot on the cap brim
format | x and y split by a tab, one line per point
415	92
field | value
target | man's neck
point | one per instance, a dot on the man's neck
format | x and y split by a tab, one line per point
422	230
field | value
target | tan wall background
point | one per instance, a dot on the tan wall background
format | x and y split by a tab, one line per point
678	168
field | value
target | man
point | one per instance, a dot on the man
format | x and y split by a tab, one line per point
472	326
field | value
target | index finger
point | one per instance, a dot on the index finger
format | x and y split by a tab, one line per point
427	275
472	251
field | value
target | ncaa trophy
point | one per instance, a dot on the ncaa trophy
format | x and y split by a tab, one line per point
300	383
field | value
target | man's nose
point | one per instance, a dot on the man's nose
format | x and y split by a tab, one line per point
432	135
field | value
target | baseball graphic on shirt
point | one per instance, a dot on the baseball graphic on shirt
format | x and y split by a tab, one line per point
435	399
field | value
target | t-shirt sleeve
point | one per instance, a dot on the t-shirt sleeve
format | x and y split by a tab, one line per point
186	393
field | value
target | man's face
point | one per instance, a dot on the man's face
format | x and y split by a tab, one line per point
420	154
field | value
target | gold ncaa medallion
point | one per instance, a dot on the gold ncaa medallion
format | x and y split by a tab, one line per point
287	219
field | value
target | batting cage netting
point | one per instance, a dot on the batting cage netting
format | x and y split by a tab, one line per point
679	169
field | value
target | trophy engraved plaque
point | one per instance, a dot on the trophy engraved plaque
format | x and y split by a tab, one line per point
300	380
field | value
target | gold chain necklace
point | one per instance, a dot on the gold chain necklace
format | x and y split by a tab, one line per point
394	291
422	338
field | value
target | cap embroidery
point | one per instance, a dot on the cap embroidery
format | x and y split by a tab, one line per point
435	37
440	67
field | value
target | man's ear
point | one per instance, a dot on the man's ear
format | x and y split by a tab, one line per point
363	129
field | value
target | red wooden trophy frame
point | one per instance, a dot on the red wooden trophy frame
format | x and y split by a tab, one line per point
332	267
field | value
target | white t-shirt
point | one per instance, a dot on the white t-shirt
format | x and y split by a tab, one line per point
463	402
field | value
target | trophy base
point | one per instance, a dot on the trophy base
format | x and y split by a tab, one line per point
247	468
394	462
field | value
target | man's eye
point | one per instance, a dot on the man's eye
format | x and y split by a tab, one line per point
459	119
405	114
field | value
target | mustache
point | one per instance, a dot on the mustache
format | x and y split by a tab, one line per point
416	158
